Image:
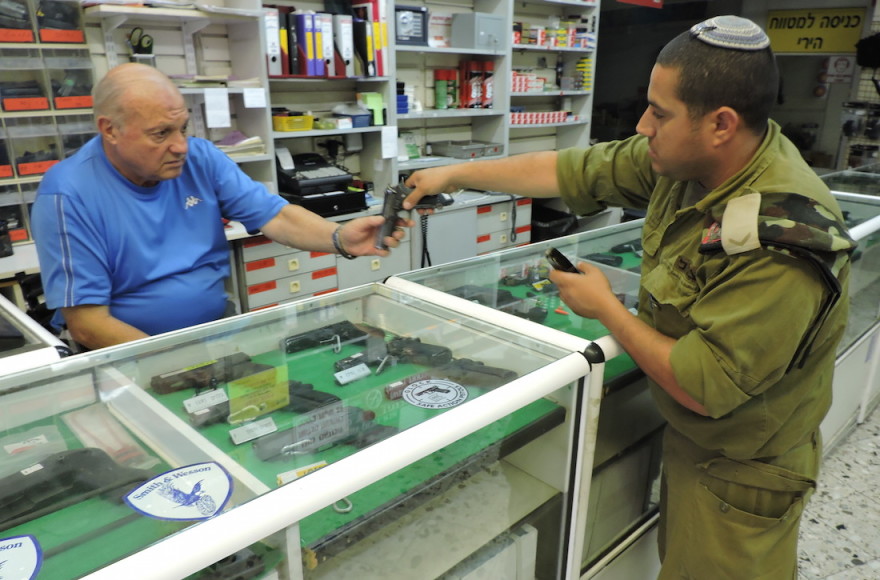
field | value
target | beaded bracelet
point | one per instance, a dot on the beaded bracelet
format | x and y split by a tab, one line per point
337	243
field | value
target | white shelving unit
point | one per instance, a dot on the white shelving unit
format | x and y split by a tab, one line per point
39	129
231	40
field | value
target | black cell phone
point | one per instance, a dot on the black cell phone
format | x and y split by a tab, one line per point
559	261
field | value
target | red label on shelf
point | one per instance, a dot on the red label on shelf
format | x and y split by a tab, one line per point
525	228
35	168
81	102
318	254
264	287
260	264
16	35
5	170
322	292
483	238
26	104
317	274
18	235
484	209
524	201
256	241
53	35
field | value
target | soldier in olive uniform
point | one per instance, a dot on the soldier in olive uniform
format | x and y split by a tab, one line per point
742	300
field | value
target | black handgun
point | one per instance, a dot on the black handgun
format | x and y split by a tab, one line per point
240	565
475	373
206	375
528	309
303	398
361	432
393	204
634	246
340	332
485	295
607	259
417	352
64	479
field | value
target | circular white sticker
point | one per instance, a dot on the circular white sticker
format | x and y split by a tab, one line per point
435	394
193	492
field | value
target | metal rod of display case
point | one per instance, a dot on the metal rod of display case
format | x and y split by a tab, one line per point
865	228
621	547
588	431
488	314
207	542
51	348
600	351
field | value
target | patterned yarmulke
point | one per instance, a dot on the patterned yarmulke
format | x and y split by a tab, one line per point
731	32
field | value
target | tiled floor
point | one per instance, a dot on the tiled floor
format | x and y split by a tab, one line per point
840	531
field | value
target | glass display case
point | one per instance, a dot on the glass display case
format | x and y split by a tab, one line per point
862	180
862	214
623	490
623	494
859	350
25	344
370	433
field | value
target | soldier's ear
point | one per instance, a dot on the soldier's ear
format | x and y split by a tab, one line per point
725	123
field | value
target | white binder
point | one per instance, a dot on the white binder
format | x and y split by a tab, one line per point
344	40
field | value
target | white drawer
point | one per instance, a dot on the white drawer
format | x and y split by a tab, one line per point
283	289
276	267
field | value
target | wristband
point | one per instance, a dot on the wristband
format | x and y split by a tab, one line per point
337	244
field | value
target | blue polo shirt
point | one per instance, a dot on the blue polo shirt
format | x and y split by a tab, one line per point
157	256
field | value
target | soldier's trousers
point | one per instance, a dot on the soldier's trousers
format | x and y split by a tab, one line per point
726	519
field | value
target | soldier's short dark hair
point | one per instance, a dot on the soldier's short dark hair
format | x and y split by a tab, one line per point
711	77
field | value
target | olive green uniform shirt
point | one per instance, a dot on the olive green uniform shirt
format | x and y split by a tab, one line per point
739	319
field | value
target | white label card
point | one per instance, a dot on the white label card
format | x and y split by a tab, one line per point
254	97
205	400
217	107
250	431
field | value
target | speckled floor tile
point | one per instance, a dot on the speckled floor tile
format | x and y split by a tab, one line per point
867	571
840	530
824	549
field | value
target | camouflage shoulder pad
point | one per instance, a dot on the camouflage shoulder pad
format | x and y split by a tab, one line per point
787	220
802	225
792	219
791	224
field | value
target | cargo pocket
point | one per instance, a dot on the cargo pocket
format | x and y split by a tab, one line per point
747	519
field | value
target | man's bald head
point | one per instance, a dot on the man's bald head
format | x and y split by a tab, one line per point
123	85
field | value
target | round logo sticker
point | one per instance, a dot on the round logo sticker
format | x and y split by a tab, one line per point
435	394
193	492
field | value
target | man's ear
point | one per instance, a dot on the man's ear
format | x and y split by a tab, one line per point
106	129
726	122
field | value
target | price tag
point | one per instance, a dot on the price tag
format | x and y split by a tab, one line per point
205	401
250	431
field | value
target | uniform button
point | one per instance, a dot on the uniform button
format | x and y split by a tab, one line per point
724	507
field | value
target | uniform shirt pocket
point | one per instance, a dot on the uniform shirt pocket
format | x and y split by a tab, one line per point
672	291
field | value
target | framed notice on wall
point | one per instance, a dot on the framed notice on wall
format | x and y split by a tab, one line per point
816	31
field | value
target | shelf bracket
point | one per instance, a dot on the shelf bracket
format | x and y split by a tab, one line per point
108	26
188	31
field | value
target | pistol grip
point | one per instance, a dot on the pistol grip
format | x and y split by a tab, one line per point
390	207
